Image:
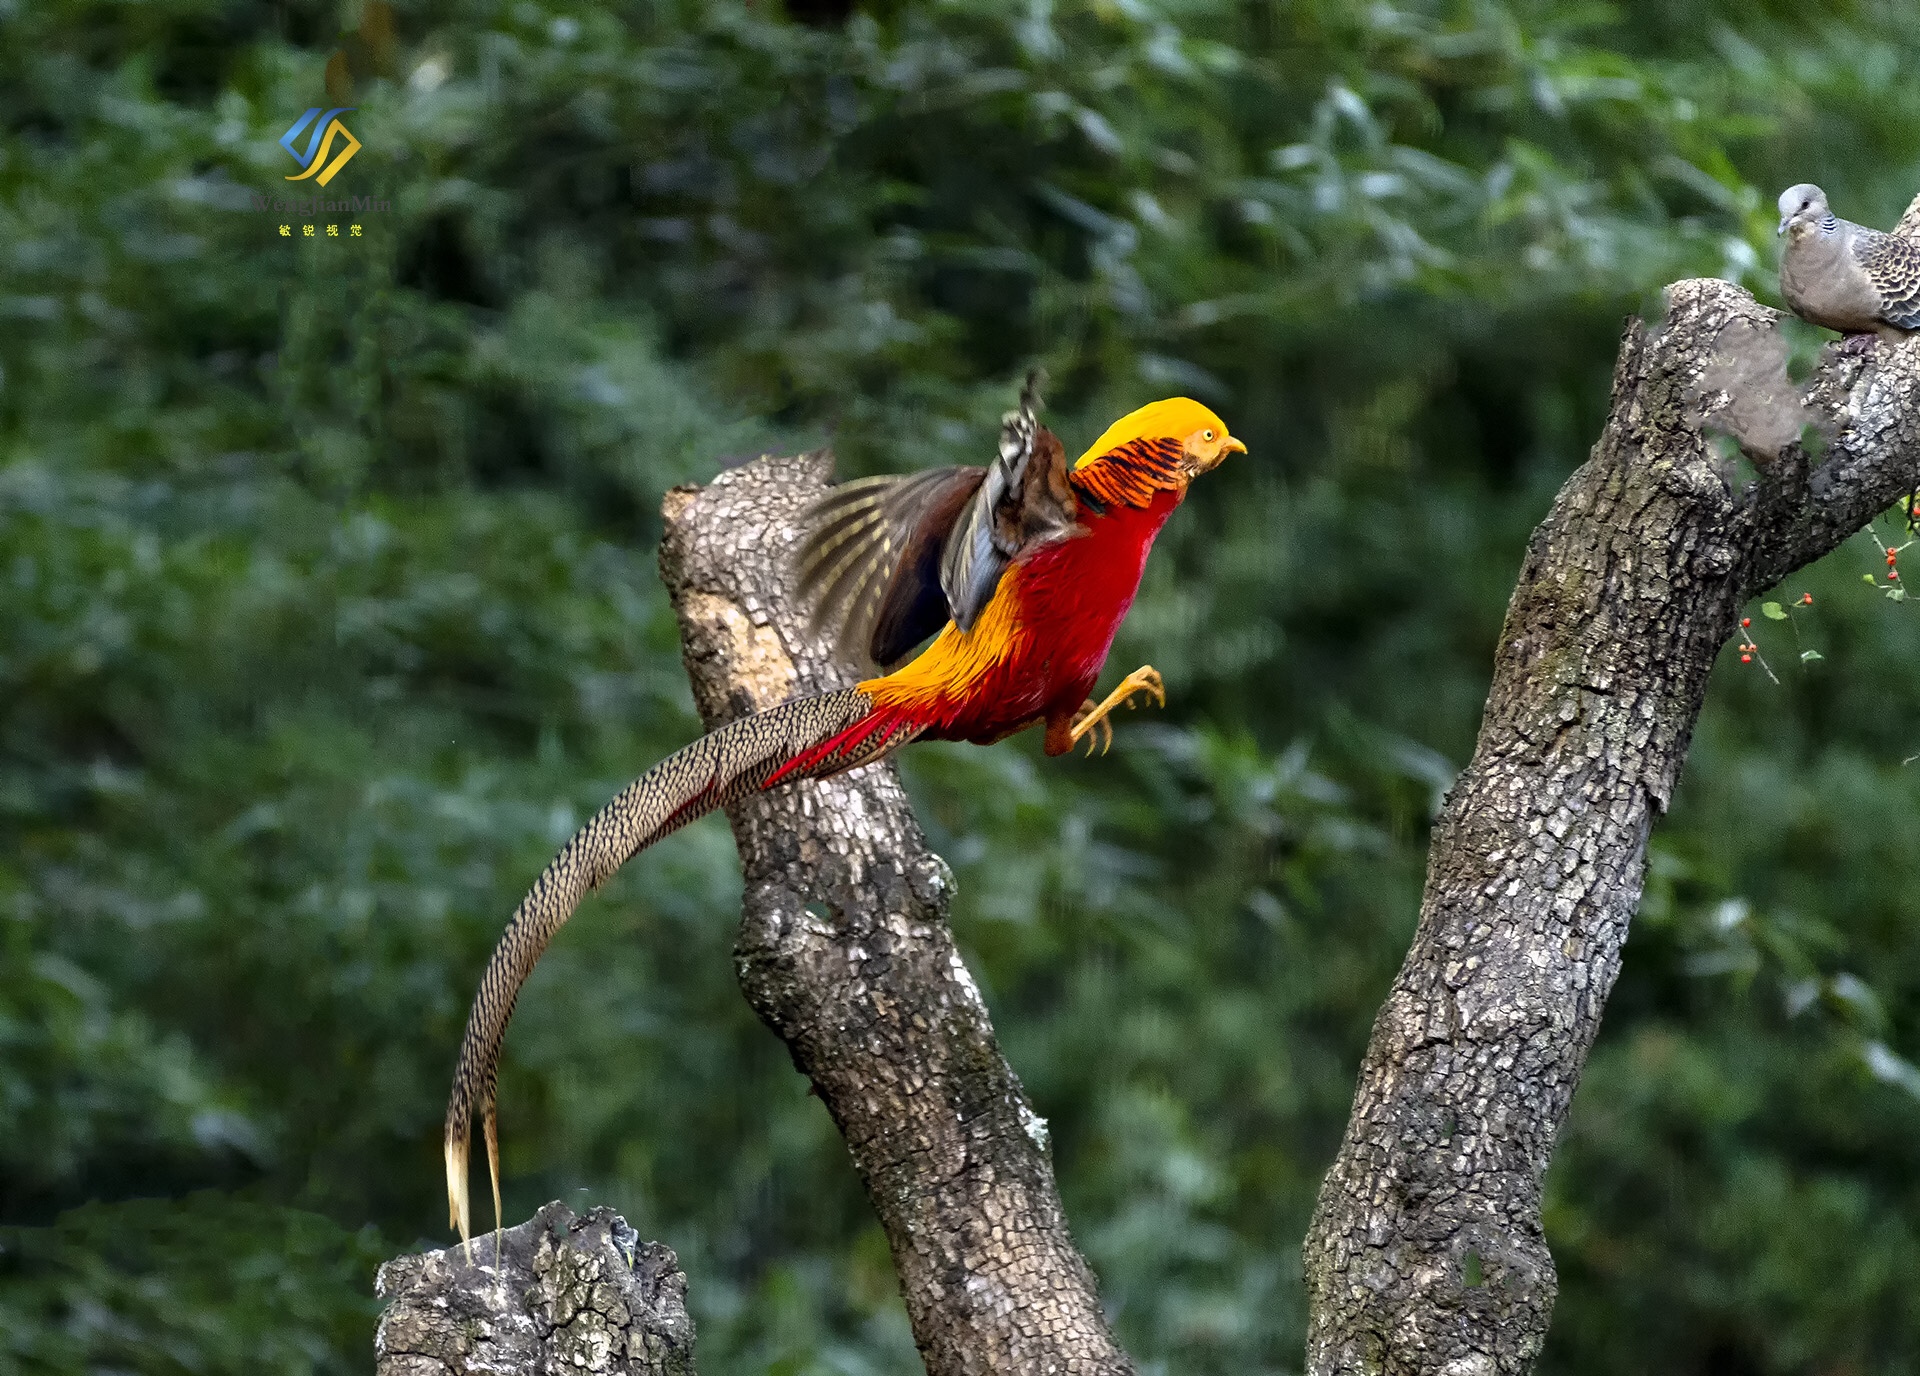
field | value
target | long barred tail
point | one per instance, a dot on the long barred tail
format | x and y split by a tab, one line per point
810	738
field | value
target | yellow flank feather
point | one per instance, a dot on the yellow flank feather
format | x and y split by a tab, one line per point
1174	418
955	658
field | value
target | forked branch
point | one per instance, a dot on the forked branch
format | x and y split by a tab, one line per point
1426	1253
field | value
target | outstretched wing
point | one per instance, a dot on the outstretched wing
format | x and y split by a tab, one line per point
870	560
888	561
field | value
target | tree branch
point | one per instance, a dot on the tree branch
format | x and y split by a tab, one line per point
561	1294
844	952
1426	1252
1910	222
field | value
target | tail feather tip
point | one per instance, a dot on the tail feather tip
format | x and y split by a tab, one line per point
459	1213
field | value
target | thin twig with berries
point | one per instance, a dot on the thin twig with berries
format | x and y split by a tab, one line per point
1773	611
1750	651
1891	587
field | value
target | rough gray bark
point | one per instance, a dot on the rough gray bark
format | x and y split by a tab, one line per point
564	1294
844	952
1426	1252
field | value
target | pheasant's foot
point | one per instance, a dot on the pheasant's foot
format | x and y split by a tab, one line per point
1099	731
1144	680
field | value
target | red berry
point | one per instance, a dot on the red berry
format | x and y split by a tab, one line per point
1746	659
1893	573
1746	621
1806	599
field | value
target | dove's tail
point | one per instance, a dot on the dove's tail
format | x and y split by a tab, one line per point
810	738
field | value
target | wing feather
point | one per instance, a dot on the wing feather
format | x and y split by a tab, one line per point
888	561
979	550
855	548
1892	264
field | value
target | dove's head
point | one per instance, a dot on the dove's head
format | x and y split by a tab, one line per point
1803	211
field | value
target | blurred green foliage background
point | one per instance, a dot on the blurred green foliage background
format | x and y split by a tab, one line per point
328	609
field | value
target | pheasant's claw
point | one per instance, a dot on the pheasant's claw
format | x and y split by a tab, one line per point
1089	719
1100	735
1146	679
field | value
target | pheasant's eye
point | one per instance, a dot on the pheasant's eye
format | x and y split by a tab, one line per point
1206	435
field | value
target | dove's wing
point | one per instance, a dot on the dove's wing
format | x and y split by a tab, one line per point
1892	264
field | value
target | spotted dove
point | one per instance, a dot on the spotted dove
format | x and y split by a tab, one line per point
1845	276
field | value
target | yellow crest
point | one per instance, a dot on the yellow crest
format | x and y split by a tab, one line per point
1174	418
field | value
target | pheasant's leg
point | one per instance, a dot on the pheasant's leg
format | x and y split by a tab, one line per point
1145	679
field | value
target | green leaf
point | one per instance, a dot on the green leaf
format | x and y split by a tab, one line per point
1772	611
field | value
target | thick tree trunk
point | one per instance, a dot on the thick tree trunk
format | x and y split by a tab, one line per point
1426	1253
844	952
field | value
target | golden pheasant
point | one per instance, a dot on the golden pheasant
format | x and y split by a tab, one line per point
1024	568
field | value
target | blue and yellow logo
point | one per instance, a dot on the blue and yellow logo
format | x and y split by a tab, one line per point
320	144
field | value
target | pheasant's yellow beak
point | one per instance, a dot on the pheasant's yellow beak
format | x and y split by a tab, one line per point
1232	446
